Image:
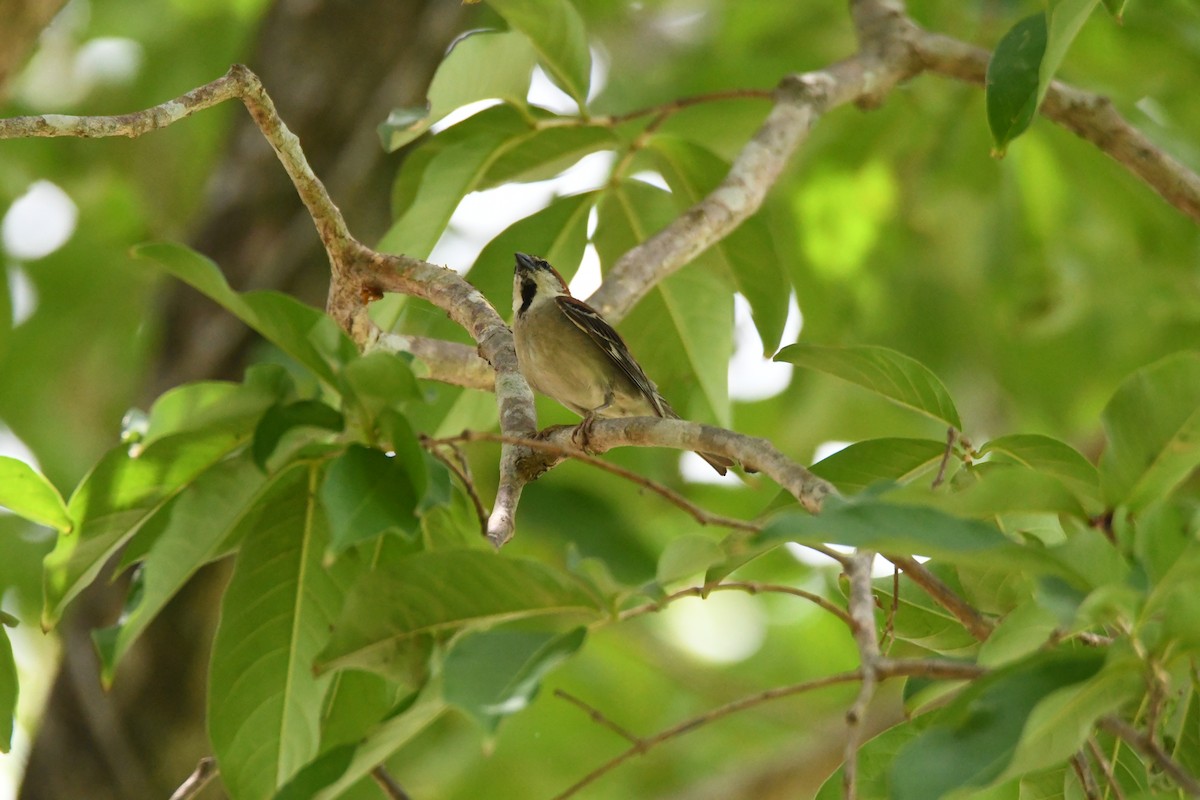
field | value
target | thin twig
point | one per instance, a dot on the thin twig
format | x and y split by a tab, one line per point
975	623
1106	767
676	499
951	434
1149	748
750	587
600	718
675	106
461	471
885	668
1086	779
391	789
205	771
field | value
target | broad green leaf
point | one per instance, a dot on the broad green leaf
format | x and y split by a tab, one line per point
357	701
441	591
1012	91
431	186
1023	631
366	492
890	528
8	690
385	739
379	381
482	65
1153	427
687	556
688	314
862	464
27	494
317	774
264	700
885	372
303	332
215	404
280	419
557	32
494	674
547	151
975	738
748	253
993	490
1172	612
1060	724
117	497
1051	457
191	531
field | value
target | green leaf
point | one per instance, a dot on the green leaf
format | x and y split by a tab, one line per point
862	464
192	530
433	182
389	736
885	372
748	253
280	419
1052	457
27	494
1061	722
875	524
546	152
379	381
974	739
8	690
1023	631
365	493
1012	91
1066	18
1116	8
217	404
117	497
690	313
922	622
1153	427
441	591
482	65
264	702
304	333
557	32
687	556
494	674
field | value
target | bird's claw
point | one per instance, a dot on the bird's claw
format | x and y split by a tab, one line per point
583	434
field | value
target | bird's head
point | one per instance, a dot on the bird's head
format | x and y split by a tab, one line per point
535	282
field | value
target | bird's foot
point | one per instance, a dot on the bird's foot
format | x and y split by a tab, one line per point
583	434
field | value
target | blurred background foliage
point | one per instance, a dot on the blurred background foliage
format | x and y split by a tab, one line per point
1031	285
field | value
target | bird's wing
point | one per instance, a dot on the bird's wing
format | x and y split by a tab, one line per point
588	320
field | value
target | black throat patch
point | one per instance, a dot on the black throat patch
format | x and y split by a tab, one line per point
528	290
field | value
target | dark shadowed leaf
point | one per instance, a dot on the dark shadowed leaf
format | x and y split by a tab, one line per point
366	492
1012	80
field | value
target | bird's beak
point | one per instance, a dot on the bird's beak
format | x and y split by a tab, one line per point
525	262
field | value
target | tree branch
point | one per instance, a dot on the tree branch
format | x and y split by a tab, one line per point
1146	745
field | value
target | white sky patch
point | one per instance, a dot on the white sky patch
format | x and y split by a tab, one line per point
587	279
695	469
462	112
38	222
23	295
13	447
751	376
108	61
880	567
724	628
543	92
481	216
825	449
651	177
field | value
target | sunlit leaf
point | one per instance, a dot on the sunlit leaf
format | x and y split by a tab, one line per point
26	493
264	702
303	332
548	151
885	372
1052	457
1153	428
862	464
558	34
440	591
8	690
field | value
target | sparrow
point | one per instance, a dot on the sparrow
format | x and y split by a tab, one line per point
567	352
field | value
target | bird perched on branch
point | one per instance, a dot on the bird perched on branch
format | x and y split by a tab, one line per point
569	353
